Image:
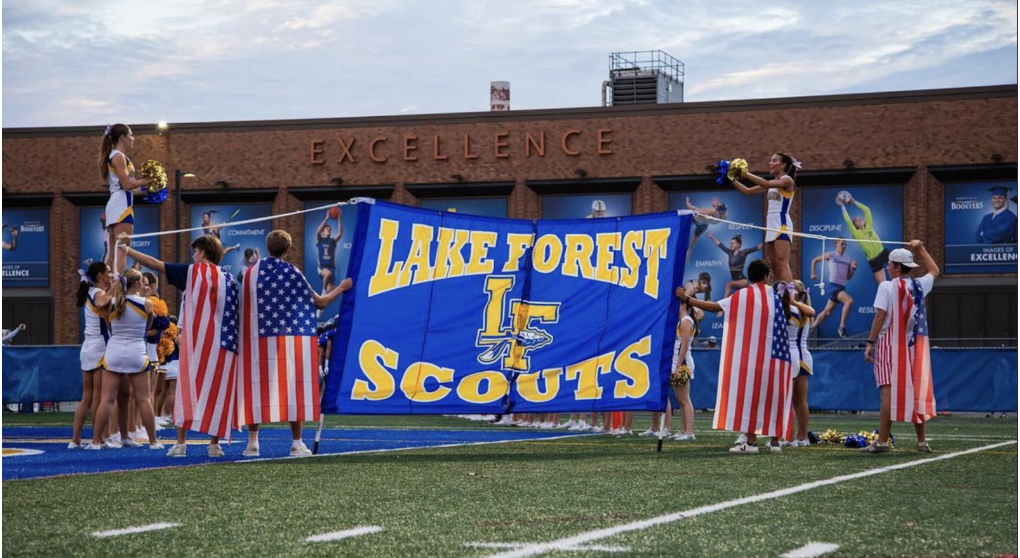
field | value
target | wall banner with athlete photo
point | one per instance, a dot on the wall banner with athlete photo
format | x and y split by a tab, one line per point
981	220
26	246
486	207
242	245
847	274
585	206
455	313
93	236
719	253
328	238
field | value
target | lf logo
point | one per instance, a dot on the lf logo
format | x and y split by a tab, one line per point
508	326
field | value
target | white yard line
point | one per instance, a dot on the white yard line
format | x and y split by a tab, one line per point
810	550
599	534
576	547
133	530
337	535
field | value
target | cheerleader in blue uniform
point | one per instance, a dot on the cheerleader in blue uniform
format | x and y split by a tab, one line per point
126	360
799	329
118	173
93	298
779	192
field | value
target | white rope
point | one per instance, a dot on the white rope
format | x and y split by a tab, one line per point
803	235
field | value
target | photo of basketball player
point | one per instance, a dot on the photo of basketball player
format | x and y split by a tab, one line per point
863	228
841	271
325	245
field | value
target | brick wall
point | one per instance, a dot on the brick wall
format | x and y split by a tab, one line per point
913	130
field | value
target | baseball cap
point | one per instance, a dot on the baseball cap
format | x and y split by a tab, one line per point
598	205
902	256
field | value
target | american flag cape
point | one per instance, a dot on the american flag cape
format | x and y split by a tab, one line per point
755	371
902	354
279	362
206	384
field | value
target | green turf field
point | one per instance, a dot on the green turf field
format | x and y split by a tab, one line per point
450	501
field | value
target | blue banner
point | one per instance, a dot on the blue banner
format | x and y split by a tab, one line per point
37	374
328	242
863	213
242	245
719	253
93	236
462	314
981	232
26	247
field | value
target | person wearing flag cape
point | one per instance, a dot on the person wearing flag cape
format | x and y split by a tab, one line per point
278	370
205	398
898	346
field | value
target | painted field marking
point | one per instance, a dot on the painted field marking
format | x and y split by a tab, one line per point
810	550
133	530
573	547
605	533
335	536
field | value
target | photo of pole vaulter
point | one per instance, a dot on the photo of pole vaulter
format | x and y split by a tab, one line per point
719	252
586	206
486	207
328	243
981	227
242	245
844	276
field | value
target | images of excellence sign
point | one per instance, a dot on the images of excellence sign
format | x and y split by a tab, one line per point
981	227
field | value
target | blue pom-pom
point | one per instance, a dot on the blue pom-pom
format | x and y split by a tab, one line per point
160	322
156	198
721	168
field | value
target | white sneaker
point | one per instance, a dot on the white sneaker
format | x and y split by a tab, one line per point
298	449
803	443
156	446
159	426
178	450
622	432
73	445
581	426
773	449
742	439
115	438
92	447
506	421
251	451
215	450
548	425
569	425
110	444
597	430
649	432
786	444
684	437
130	443
744	447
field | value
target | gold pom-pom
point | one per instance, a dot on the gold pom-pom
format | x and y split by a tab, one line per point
831	436
680	377
158	306
738	168
166	343
156	190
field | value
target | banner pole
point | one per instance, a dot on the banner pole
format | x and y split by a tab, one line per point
662	427
318	434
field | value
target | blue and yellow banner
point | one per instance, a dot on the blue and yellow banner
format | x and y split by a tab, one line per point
456	313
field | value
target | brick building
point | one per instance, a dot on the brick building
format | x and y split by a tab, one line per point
921	140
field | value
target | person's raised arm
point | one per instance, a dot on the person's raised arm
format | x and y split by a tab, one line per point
322	301
804	308
782	183
926	260
144	259
748	191
706	305
867	214
339	225
322	225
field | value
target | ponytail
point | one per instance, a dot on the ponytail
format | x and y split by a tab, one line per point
111	136
790	165
118	293
88	280
784	293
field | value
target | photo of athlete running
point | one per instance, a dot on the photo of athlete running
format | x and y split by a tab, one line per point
841	270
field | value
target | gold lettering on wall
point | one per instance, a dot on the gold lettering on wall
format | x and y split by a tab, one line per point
565	142
538	145
410	145
314	150
371	149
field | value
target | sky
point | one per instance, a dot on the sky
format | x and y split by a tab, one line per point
92	62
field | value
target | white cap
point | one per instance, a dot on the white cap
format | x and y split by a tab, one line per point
598	205
902	256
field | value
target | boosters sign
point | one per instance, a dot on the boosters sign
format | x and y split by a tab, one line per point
981	227
462	314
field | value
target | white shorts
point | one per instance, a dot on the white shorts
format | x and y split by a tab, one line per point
126	357
173	369
150	351
120	208
92	352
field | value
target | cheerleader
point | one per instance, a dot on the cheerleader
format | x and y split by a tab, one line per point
683	369
799	328
118	173
93	298
779	191
126	360
173	367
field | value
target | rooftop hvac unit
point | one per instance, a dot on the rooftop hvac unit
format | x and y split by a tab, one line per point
645	78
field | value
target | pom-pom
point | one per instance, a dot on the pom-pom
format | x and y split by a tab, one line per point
722	168
831	436
738	168
156	191
166	343
680	377
158	306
